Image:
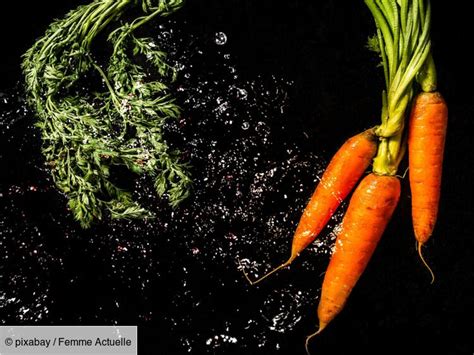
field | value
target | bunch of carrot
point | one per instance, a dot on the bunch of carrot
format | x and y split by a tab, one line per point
404	45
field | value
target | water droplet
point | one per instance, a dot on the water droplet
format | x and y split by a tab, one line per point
221	38
242	93
179	66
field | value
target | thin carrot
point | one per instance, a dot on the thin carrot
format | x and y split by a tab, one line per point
369	211
343	172
426	138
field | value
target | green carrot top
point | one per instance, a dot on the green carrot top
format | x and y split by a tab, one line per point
404	45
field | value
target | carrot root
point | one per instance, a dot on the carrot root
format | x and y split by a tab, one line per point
426	140
370	209
424	262
341	175
254	282
311	336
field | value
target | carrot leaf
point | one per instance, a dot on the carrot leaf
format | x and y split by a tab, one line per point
88	133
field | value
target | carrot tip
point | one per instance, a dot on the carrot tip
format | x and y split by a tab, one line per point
311	336
404	174
254	282
425	263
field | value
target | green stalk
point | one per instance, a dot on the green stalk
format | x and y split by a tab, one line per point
112	92
427	77
403	32
387	44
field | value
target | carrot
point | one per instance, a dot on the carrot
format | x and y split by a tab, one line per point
426	137
369	211
343	172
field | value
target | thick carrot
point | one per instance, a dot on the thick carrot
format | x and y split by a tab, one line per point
343	172
369	211
426	137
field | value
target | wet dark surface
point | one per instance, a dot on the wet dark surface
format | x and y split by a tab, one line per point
269	92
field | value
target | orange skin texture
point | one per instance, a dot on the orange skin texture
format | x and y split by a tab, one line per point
369	212
342	174
426	138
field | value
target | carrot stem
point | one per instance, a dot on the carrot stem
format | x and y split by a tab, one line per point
427	77
405	47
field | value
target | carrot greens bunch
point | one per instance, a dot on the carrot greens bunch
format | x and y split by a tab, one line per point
404	44
86	133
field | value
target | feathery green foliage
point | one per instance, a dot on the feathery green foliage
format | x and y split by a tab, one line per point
86	133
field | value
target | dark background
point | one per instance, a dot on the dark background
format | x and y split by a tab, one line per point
319	45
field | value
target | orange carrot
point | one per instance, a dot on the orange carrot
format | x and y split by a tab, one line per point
426	137
340	177
369	211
